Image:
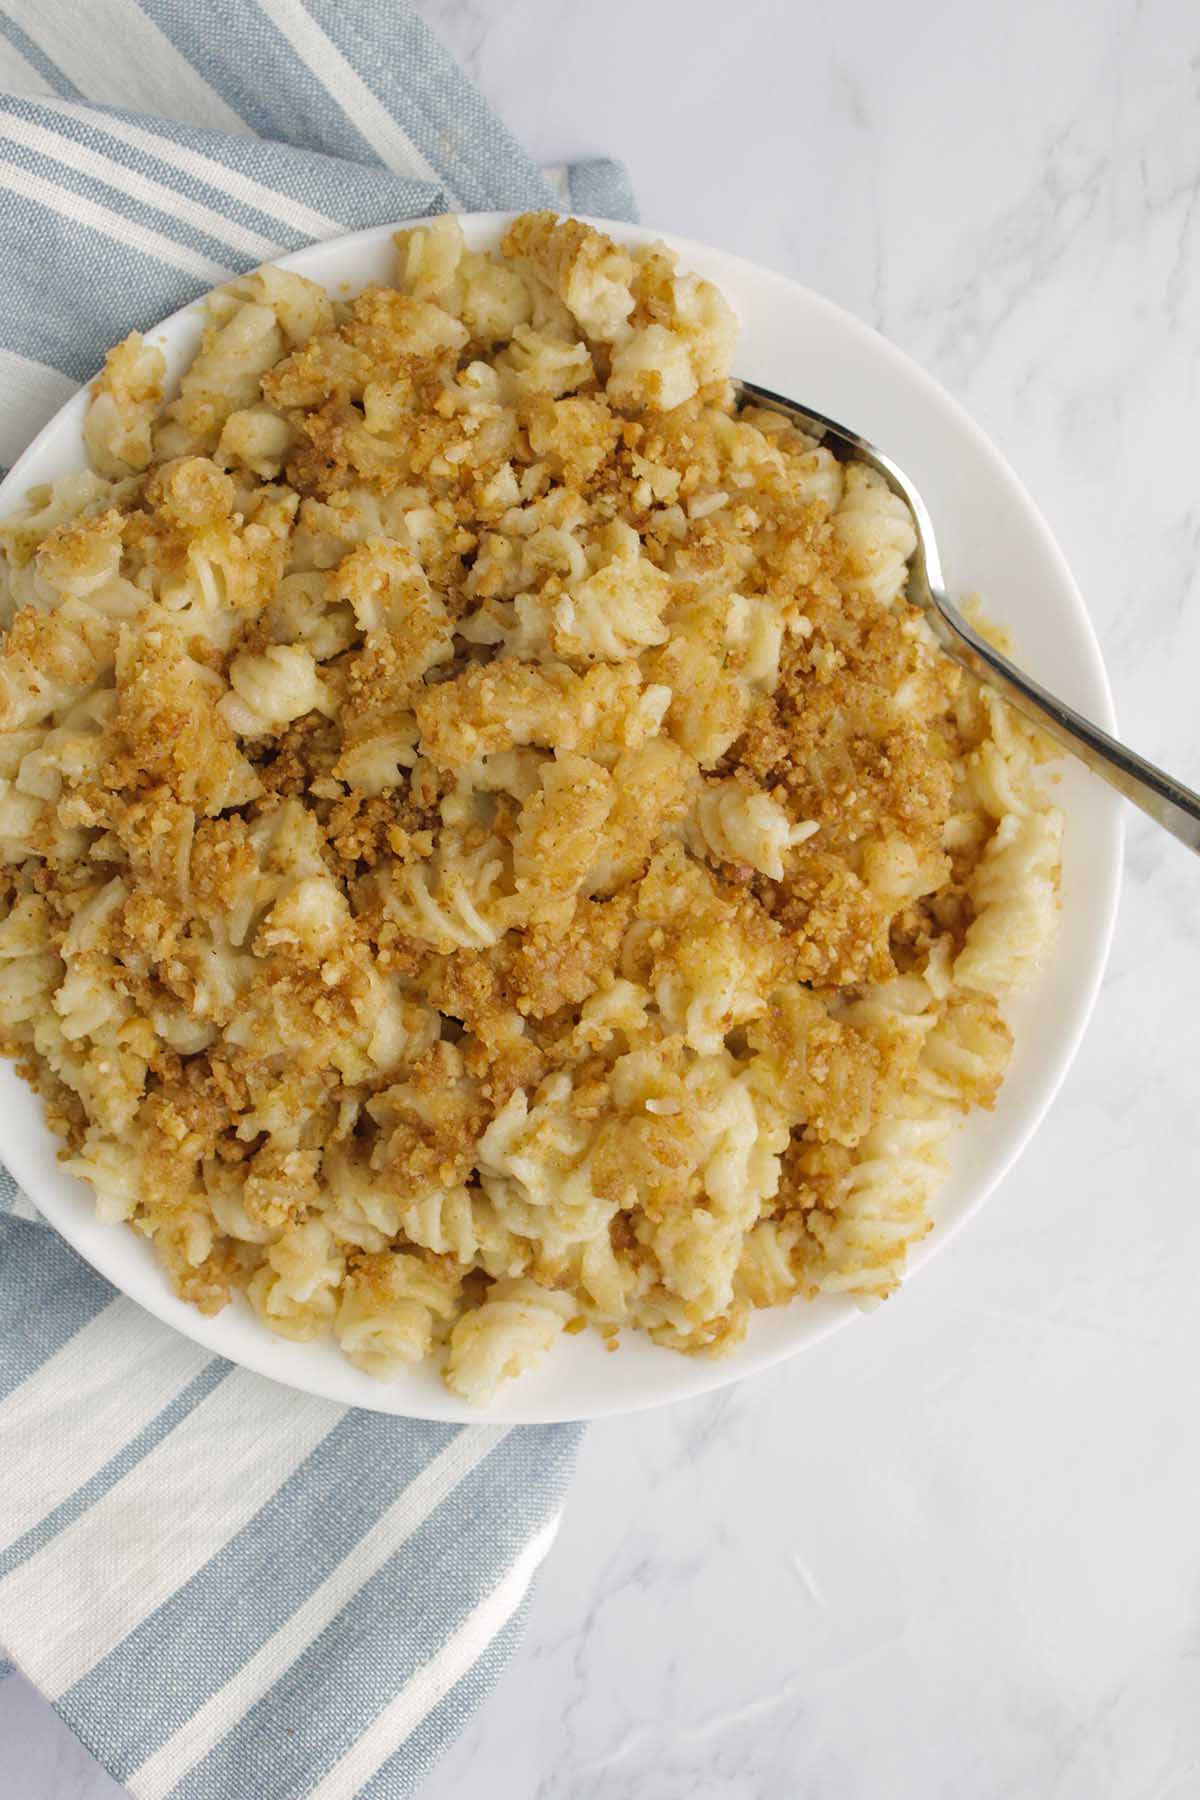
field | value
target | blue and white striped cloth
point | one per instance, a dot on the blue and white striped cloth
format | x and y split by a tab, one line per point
228	1590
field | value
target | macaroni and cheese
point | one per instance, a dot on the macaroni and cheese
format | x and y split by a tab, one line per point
487	847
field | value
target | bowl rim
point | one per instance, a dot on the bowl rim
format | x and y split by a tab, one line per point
155	1297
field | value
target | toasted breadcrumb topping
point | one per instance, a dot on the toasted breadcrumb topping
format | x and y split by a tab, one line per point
486	844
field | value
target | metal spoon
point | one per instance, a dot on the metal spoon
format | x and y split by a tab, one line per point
1166	800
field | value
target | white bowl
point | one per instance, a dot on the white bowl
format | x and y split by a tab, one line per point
994	543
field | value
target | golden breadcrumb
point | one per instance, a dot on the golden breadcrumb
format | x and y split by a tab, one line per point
486	844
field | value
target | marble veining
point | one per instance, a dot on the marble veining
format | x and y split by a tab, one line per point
953	1551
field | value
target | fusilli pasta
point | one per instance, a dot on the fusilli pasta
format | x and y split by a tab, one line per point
487	848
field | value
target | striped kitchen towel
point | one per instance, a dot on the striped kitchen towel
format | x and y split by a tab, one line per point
228	1590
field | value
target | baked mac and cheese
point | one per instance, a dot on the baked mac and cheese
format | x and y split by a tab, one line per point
487	846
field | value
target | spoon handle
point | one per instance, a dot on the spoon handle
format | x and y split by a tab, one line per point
1168	802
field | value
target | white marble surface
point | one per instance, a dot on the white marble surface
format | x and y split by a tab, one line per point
953	1552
